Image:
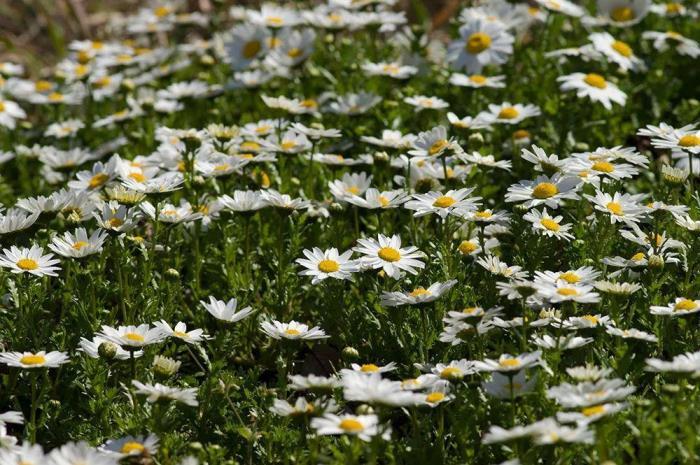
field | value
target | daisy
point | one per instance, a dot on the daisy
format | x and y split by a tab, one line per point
582	275
508	113
390	139
364	427
486	160
588	393
616	51
292	330
300	408
508	363
14	220
226	311
617	288
453	202
481	43
563	6
621	207
550	191
586	322
565	292
80	452
132	446
553	433
243	201
588	372
180	332
504	386
681	306
274	17
371	368
283	201
78	244
421	102
294	48
386	253
166	183
62	129
322	264
371	388
158	392
27	454
562	343
545	224
28	360
394	70
431	143
477	80
495	266
32	261
247	42
688	362
374	199
664	41
595	87
351	184
92	348
548	164
620	13
354	104
419	295
631	333
116	218
10	112
132	338
314	383
687	140
467	122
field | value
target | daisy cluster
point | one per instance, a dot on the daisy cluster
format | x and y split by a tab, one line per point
337	232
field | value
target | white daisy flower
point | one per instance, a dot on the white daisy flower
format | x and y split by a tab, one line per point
616	51
419	295
157	392
180	332
550	191
621	207
78	244
680	307
421	102
226	311
509	113
452	202
545	224
132	337
481	43
595	87
28	360
32	261
322	264
364	427
292	331
386	253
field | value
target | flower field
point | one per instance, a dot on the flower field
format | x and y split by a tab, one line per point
342	233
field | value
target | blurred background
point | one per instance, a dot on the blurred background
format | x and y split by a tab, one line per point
35	33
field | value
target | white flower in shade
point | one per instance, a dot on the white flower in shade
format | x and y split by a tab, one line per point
390	139
588	372
563	6
168	182
292	331
623	208
32	261
180	332
351	184
544	190
317	131
9	113
243	201
486	160
565	292
496	434
274	17
494	265
631	333
688	362
421	102
467	122
75	453
275	199
11	416
509	113
431	143
371	388
371	368
386	253
589	393
132	446
545	224
92	347
34	360
14	220
617	288
567	342
294	47
395	70
590	414
26	454
503	386
169	213
322	264
374	199
364	427
455	370
481	43
246	43
593	86
436	394
419	295
681	306
226	311
477	80
314	383
78	244
685	139
616	51
157	392
510	363
582	275
354	104
620	13
132	337
116	218
664	41
62	129
453	202
553	433
301	407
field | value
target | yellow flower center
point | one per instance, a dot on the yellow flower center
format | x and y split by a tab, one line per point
102	82
328	266
32	360
509	362
508	113
79	245
134	337
43	86
251	49
55	97
467	247
521	134
550	224
591	411
478	42
390	68
685	305
622	48
418	292
309	103
603	167
98	180
483	214
444	201
295	52
292	332
477	79
383	201
622	14
369	368
354	190
389	254
569	277
115	222
591	319
162	11
438	147
545	190
275	21
595	80
351	426
288	144
250	145
27	264
689	140
2	107
614	208
639	256
450	372
435	397
567	291
132	446
470	310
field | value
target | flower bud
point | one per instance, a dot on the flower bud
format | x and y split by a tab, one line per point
107	350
